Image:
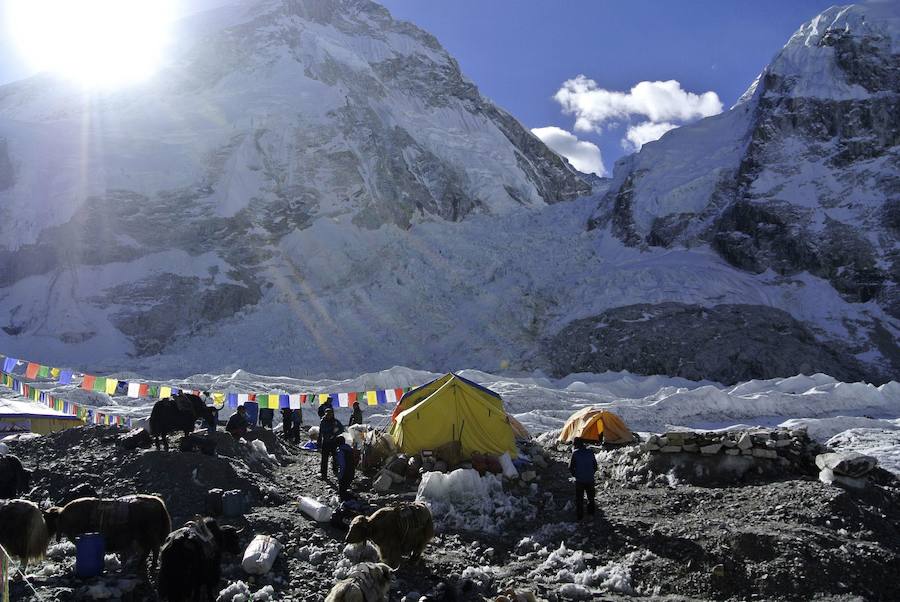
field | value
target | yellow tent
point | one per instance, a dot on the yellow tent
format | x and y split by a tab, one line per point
452	408
589	423
18	416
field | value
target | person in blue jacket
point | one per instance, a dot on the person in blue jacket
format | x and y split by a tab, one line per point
583	467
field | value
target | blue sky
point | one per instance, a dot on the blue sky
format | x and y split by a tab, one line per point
520	53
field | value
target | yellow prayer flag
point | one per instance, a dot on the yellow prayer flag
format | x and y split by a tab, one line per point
165	392
54	372
218	400
371	398
323	397
111	384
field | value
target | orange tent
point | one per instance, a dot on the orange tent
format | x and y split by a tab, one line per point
589	423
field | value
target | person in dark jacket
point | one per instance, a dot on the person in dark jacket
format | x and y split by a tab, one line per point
583	467
329	431
288	426
324	407
237	425
266	418
356	417
346	468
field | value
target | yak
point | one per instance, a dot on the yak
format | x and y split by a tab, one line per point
14	479
396	531
191	560
134	523
366	582
178	413
23	532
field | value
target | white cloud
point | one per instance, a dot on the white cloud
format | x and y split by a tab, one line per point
642	133
659	102
584	156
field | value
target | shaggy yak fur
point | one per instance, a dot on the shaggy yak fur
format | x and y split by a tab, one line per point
395	531
134	523
191	560
178	413
23	532
367	582
14	479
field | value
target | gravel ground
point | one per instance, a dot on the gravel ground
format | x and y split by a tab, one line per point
794	539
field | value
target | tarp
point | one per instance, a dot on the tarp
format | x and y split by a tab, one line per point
589	423
24	416
452	408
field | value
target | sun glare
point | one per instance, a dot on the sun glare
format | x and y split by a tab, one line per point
96	42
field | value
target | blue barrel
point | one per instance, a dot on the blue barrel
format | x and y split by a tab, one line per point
90	550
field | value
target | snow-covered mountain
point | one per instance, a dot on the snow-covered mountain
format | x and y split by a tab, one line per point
311	187
800	179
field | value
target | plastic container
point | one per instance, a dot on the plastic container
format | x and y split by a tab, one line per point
509	470
234	503
315	510
214	502
90	550
260	555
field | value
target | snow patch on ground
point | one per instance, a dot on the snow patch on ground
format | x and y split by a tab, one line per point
464	500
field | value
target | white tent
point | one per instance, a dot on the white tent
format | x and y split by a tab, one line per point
18	416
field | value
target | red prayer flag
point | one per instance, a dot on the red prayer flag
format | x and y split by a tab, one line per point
351	398
143	389
32	370
88	383
399	393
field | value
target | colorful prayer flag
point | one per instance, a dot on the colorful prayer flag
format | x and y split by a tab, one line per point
9	364
284	400
43	372
100	384
144	390
165	392
390	396
65	377
218	400
371	398
32	370
134	390
111	385
243	398
88	383
382	399
294	401
323	397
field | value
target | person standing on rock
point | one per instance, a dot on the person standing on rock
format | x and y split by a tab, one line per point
329	431
356	417
583	467
288	426
237	425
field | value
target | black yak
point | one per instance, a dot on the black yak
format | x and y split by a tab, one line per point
134	523
23	532
191	560
14	479
178	413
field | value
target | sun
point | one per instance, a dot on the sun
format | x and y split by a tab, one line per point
95	42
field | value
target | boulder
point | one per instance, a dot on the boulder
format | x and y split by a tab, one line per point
759	452
744	441
383	482
670	449
850	464
711	449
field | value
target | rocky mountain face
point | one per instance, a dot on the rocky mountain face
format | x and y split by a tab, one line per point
310	187
266	118
801	176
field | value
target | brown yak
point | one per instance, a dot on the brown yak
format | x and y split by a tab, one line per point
135	523
23	532
395	531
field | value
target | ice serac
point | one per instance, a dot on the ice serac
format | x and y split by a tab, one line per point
801	176
268	116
